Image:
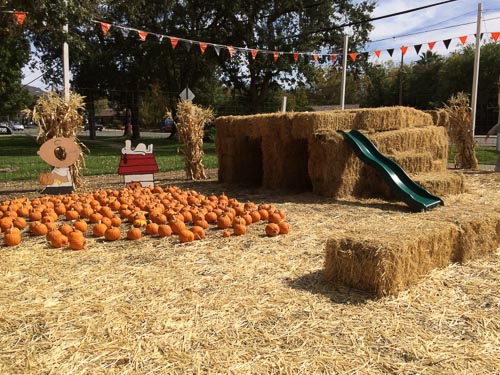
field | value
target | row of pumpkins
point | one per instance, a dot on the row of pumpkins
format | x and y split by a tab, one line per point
131	213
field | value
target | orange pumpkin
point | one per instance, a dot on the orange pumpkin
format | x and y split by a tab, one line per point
284	227
224	221
12	236
112	234
81	225
151	229
186	235
226	233
134	234
164	230
272	229
99	229
38	229
76	242
199	232
59	240
239	229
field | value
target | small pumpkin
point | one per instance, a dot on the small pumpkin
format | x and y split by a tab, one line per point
140	222
76	242
99	229
239	229
226	233
58	240
224	221
164	230
80	225
134	234
38	229
272	229
12	236
151	229
284	227
186	235
112	234
199	232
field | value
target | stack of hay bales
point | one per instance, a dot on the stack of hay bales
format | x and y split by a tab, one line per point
303	151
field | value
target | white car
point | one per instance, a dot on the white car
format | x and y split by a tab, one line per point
16	126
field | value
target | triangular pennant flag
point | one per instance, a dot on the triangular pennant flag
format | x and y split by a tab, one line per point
276	55
417	48
353	56
125	32
480	37
377	53
254	53
431	45
404	49
495	36
295	56
160	38
390	51
142	35
334	58
188	44
231	51
365	55
20	17
217	50
174	41
105	27
203	47
463	39
447	43
315	57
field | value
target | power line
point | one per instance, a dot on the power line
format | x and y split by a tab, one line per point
428	31
372	19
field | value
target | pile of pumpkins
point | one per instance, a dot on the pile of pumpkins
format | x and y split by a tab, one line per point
131	213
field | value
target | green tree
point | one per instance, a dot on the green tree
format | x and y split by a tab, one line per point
423	85
14	54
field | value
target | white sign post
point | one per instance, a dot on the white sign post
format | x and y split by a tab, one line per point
186	94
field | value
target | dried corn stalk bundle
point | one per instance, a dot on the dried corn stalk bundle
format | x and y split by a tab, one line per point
56	118
191	120
460	131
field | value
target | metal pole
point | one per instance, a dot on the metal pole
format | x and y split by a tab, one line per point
476	68
66	60
283	104
344	72
401	80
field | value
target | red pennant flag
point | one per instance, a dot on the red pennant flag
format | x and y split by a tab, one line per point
276	56
254	53
20	17
431	45
174	42
105	27
231	51
377	53
295	56
353	56
315	56
203	47
495	36
142	35
334	57
463	39
404	49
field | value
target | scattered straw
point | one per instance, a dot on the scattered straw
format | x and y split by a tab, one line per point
251	304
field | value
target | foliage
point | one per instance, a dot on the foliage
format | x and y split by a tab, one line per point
14	52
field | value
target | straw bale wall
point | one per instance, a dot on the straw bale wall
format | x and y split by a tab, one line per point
400	251
303	151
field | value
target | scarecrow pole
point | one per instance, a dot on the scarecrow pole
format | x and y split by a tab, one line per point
476	68
344	72
66	59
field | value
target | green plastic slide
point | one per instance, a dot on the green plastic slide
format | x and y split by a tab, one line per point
414	195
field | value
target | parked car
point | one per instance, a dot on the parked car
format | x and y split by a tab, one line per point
167	125
17	126
5	129
98	127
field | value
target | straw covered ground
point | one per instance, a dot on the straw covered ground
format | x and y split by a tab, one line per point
251	304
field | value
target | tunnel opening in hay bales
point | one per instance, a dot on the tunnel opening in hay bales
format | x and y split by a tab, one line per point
297	174
251	162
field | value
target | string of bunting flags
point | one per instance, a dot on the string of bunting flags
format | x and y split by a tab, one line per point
174	41
19	16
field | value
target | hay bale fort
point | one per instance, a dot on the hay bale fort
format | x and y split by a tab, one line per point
304	152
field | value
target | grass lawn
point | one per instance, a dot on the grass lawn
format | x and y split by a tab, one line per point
19	159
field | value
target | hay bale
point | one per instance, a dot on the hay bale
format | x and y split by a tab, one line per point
390	118
304	125
442	184
398	252
440	117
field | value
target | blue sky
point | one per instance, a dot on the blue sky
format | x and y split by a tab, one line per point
395	32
